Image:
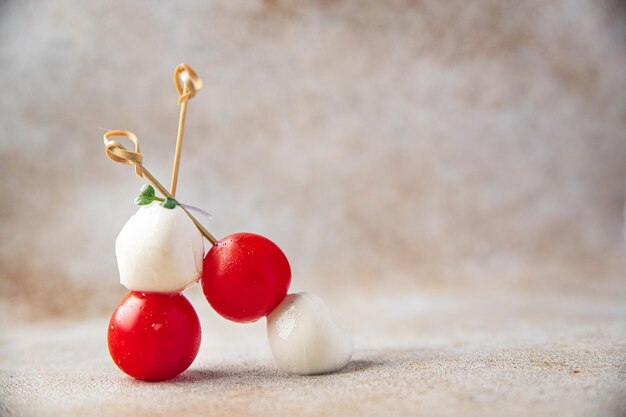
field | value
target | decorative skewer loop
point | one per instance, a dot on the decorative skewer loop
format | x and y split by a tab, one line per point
116	152
187	82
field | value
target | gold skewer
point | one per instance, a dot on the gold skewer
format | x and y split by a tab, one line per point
116	152
191	84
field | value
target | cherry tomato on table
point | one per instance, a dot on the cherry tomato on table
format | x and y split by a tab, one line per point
245	276
154	336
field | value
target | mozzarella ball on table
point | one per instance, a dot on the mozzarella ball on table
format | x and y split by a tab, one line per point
159	250
305	338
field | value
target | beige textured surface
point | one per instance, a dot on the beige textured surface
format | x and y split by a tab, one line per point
434	354
458	167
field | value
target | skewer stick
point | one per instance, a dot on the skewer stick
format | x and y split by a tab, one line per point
179	145
191	84
116	152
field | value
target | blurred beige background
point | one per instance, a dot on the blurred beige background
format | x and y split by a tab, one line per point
449	175
382	145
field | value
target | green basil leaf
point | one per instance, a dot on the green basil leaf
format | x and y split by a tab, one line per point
143	200
147	190
168	203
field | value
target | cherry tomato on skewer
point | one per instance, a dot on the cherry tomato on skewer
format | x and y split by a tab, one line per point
245	276
154	336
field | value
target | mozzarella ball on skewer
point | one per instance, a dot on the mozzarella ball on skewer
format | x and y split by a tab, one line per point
159	250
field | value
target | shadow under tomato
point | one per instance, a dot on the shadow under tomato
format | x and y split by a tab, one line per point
200	375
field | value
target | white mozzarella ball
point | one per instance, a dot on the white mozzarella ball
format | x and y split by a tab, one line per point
305	338
159	250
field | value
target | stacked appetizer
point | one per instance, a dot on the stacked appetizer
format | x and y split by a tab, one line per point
246	277
154	333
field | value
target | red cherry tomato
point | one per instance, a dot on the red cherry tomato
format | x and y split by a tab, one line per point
245	276
154	336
